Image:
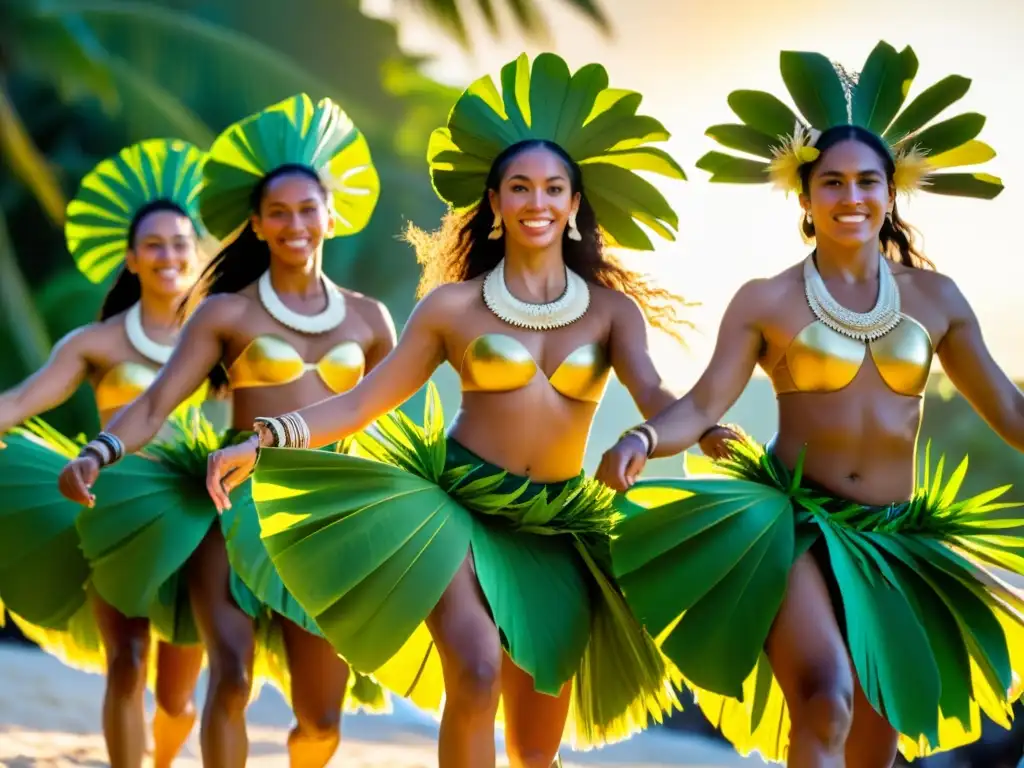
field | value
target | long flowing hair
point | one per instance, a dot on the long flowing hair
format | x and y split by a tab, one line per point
460	249
243	259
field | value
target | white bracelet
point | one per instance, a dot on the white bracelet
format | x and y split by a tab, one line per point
300	436
652	437
273	427
100	450
641	436
288	431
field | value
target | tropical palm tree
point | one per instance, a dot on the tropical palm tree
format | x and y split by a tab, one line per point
186	68
450	14
60	42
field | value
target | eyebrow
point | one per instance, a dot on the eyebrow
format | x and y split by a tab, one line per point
549	178
840	174
272	203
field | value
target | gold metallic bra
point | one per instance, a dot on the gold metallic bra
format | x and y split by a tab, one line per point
819	359
270	361
126	381
495	362
122	384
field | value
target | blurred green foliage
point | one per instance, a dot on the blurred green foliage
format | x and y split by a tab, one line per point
79	79
188	68
82	78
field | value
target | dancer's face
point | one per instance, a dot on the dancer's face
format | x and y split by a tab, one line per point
848	194
293	218
163	254
535	199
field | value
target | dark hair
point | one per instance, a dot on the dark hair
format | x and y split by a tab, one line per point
897	236
127	290
243	259
460	249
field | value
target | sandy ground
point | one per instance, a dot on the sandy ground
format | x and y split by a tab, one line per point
49	716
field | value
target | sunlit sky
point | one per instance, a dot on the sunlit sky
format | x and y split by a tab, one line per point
686	60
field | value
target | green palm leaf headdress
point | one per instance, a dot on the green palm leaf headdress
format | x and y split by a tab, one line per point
827	96
113	192
597	126
293	132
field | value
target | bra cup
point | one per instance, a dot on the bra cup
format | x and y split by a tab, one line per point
903	357
496	362
820	359
269	361
122	384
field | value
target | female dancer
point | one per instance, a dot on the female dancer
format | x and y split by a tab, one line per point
147	220
489	545
875	609
280	335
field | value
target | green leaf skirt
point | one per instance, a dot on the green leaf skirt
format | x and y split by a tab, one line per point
153	517
151	514
150	517
368	545
936	637
43	573
259	591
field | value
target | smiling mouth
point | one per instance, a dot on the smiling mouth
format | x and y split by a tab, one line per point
852	218
297	242
536	223
169	273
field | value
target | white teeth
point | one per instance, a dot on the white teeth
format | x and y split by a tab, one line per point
169	272
296	243
536	223
852	218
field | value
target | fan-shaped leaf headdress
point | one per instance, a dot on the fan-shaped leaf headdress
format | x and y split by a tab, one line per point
295	131
826	96
597	126
112	193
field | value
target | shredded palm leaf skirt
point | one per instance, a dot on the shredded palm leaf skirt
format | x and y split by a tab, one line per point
369	546
150	518
43	573
260	592
936	637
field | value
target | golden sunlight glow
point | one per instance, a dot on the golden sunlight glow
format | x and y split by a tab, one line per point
686	56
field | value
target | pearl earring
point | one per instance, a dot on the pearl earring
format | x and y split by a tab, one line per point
574	233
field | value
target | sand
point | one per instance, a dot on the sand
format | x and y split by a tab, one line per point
50	714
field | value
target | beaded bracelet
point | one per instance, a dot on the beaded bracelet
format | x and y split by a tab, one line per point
647	434
287	431
106	448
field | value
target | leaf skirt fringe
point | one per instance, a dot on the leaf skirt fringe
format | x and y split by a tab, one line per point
369	546
42	567
151	516
43	574
936	637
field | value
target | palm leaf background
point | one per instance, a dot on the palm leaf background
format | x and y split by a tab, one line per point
525	13
80	80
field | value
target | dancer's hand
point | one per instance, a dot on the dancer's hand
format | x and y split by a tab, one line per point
227	468
76	479
715	442
623	463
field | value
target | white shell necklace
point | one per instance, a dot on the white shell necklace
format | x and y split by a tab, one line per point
331	317
865	326
566	309
141	343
